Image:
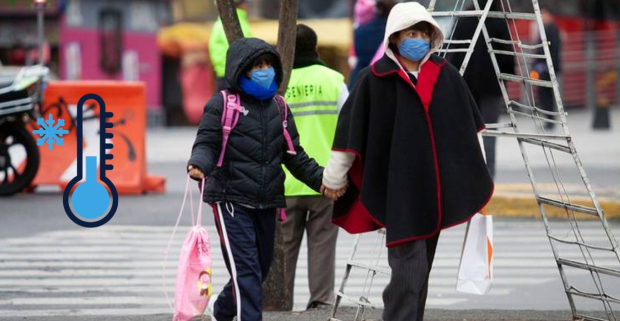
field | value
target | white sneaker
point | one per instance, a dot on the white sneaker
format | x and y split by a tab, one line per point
211	306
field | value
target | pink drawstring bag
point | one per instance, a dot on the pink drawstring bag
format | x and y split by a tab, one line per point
193	285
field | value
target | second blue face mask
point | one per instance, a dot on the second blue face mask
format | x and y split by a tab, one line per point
263	77
414	49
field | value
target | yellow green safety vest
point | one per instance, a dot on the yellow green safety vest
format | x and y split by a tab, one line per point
218	44
312	96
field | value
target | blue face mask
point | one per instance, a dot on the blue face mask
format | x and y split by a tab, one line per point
257	91
263	77
414	49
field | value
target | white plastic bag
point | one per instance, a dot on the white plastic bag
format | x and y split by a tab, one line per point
476	267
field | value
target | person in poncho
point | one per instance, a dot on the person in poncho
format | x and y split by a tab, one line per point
407	141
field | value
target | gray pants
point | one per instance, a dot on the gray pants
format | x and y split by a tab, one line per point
405	296
312	214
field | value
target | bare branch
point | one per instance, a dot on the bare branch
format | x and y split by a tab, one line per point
230	20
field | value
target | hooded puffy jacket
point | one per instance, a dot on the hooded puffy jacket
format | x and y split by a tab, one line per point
252	170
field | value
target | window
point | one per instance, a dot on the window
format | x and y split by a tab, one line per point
111	40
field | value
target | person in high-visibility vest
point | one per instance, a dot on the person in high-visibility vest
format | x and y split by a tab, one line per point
218	44
315	95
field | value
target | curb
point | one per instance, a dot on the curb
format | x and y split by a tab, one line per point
526	207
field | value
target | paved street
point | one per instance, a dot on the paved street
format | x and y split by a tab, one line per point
117	269
51	269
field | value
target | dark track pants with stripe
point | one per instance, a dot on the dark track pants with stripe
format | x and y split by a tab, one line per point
247	239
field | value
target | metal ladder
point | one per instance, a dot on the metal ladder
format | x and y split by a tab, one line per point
527	126
370	269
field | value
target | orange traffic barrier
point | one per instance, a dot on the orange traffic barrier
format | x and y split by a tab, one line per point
127	100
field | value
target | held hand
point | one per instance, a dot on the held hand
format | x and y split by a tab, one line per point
195	173
333	194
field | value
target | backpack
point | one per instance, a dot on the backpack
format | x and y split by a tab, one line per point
230	118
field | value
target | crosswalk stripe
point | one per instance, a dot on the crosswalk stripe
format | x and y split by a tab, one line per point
146	281
157	263
82	312
41	256
84	301
62	273
157	291
123	265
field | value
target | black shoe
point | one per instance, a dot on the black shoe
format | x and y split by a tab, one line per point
319	306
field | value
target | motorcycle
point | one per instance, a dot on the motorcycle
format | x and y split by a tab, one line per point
21	92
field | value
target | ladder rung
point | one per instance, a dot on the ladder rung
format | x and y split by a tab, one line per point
521	135
591	247
547	144
357	301
530	115
579	265
478	13
518	43
520	79
593	296
568	206
512	15
454	50
370	268
580	317
457	42
513	103
516	53
500	125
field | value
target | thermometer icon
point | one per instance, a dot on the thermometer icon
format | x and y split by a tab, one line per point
88	204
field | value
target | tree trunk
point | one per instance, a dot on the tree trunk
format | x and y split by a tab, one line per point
230	20
287	33
276	296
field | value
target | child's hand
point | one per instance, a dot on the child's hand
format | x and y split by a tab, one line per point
333	194
195	173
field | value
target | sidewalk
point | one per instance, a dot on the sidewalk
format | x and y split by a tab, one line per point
349	314
598	150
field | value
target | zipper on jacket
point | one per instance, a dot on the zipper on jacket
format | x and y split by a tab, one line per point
264	158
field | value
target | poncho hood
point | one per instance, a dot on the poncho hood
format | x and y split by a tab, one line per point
405	15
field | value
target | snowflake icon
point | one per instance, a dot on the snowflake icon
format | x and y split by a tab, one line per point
49	132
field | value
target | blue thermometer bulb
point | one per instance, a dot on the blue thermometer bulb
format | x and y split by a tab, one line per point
88	204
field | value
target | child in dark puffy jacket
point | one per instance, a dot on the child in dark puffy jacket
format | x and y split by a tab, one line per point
247	189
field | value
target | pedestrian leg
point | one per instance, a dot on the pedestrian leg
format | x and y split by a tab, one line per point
292	235
237	231
405	296
322	236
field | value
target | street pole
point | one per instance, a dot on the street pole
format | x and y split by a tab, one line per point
40	7
595	15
